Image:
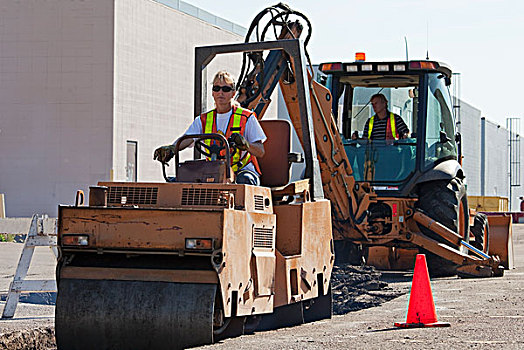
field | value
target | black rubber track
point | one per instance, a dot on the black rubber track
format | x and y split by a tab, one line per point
102	314
440	201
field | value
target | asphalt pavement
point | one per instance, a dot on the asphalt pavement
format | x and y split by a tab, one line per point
484	313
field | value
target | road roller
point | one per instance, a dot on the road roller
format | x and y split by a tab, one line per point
195	259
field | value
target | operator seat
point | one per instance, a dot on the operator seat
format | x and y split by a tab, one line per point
275	164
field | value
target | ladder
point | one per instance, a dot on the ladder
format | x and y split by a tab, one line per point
35	238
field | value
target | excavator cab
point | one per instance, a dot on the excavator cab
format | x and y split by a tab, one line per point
417	92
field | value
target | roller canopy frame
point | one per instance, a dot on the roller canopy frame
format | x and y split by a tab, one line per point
295	49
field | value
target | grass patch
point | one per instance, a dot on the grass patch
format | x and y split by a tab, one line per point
7	237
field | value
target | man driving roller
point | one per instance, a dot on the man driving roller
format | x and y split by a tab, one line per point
235	123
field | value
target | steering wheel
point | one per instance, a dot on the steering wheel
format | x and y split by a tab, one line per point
212	151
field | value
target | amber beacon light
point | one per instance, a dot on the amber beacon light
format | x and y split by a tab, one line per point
360	56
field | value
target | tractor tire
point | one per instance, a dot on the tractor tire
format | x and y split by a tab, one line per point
447	203
480	231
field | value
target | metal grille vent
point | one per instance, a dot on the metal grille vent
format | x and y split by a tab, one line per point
132	195
259	202
206	196
263	237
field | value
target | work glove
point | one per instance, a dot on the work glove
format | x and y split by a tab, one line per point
164	153
240	141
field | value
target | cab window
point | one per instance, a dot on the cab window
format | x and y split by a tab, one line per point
380	161
440	136
401	101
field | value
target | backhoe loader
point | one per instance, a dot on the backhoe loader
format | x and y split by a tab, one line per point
420	199
390	199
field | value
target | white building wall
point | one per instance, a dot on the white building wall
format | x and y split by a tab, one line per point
496	160
80	78
518	191
154	73
470	131
56	95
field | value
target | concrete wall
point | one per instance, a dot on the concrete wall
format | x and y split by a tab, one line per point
154	73
56	68
519	191
496	180
78	79
469	127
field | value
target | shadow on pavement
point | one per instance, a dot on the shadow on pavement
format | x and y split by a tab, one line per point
47	298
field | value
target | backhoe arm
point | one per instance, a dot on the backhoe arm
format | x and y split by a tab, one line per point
349	201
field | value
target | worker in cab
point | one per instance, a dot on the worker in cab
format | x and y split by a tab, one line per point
237	124
383	125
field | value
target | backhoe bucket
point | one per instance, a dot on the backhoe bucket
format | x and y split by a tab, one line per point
500	239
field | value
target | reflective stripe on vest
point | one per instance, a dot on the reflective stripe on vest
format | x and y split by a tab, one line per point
209	125
391	129
237	123
237	120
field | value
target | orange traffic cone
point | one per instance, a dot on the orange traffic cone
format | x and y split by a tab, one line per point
421	309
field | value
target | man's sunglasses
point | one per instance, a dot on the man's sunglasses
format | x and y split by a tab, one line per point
226	88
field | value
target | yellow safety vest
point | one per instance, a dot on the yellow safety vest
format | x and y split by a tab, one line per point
391	130
237	123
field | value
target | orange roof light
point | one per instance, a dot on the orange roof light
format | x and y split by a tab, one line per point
360	56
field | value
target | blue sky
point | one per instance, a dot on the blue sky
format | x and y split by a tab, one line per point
481	39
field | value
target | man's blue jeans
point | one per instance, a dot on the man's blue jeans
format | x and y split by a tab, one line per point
247	177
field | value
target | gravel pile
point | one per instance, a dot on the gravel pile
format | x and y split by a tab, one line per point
359	287
29	339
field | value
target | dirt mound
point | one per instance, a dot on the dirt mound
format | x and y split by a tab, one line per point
359	287
29	339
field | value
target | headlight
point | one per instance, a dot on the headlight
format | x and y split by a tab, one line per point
75	240
199	243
